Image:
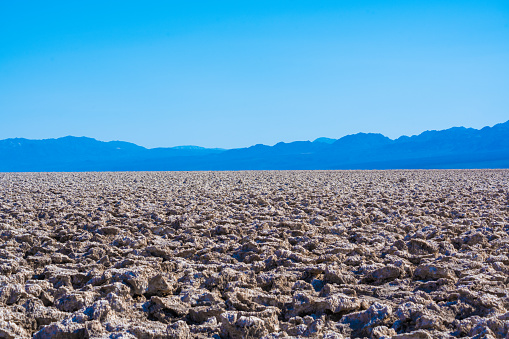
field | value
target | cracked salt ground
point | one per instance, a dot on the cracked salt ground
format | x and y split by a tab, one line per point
321	254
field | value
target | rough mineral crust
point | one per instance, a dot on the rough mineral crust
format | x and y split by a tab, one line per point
323	254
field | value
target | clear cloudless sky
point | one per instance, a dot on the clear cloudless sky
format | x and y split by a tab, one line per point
237	73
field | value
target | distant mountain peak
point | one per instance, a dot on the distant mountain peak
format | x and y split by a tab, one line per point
364	139
325	140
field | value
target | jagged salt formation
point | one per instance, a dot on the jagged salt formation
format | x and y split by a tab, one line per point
326	254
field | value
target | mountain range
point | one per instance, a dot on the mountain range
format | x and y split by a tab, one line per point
457	147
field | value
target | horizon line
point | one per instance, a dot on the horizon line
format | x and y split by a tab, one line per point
280	142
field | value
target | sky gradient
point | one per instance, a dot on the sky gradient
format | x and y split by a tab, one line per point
237	73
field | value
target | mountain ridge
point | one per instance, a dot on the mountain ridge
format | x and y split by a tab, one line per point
456	147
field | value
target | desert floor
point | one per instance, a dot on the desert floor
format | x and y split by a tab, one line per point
323	254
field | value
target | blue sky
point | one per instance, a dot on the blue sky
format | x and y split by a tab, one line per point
237	73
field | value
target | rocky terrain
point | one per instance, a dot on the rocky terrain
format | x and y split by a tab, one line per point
328	254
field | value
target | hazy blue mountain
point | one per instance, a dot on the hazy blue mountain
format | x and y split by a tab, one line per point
456	147
82	153
325	140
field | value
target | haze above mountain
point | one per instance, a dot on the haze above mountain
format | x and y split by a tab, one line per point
456	147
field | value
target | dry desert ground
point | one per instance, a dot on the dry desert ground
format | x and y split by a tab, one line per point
269	254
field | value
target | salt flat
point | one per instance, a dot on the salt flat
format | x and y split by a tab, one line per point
324	254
